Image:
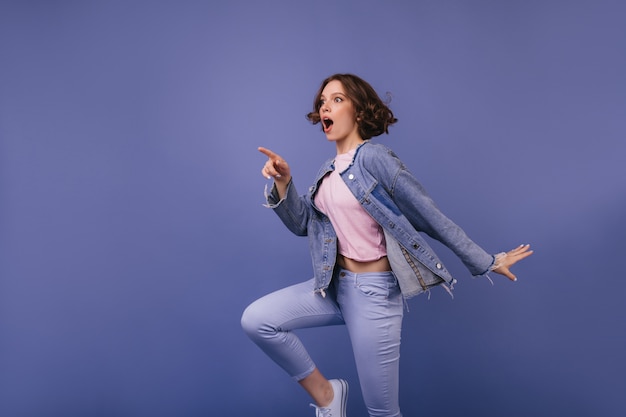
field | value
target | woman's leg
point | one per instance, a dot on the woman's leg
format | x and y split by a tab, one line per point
270	322
318	387
372	308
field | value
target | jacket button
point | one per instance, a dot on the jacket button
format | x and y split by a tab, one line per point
438	265
351	176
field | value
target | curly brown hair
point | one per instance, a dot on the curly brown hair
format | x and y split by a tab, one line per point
372	114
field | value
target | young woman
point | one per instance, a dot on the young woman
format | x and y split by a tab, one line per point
363	216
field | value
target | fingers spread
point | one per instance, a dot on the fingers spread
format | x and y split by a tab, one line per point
520	252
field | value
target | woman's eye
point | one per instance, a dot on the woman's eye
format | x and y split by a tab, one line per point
338	99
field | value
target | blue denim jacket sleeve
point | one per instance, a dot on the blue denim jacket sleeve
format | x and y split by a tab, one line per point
418	207
292	209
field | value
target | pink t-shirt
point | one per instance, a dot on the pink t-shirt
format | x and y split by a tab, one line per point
359	236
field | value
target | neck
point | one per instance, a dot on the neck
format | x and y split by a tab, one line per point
347	146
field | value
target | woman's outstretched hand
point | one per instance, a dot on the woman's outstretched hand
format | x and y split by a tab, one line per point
508	259
276	168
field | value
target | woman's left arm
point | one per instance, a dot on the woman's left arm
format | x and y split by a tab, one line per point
506	260
419	208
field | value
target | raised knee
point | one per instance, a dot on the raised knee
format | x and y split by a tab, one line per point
254	322
249	322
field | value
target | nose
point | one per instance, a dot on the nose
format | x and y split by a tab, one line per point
324	108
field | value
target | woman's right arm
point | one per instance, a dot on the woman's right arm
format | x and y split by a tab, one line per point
283	197
276	168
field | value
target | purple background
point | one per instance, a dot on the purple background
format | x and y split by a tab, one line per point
132	234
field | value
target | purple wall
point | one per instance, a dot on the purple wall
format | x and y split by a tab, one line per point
132	234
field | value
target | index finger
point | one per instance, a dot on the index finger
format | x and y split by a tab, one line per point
268	153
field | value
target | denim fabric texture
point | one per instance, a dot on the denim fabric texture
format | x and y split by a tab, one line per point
398	202
371	307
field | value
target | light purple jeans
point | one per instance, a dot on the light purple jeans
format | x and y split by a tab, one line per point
371	307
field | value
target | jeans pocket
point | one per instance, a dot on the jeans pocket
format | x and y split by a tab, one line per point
375	285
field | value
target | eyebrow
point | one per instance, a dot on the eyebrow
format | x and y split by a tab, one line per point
334	94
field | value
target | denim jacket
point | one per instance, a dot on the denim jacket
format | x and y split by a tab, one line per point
398	202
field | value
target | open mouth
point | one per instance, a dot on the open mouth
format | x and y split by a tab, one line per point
327	123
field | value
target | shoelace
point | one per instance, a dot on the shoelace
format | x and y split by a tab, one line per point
321	411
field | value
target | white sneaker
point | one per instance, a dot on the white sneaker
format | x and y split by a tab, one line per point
337	407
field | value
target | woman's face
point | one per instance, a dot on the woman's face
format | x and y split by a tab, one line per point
338	115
